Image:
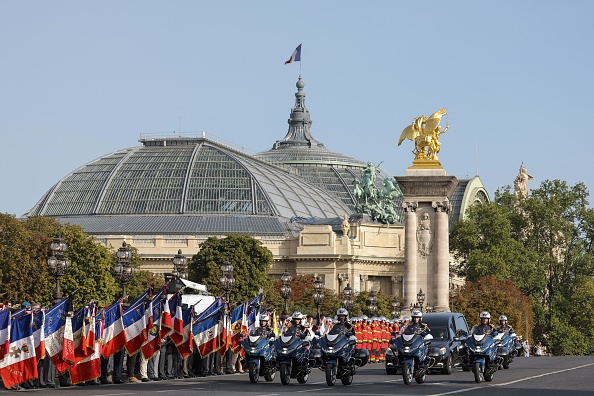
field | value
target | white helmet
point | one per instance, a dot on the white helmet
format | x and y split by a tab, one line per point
503	317
342	311
264	318
297	315
416	313
485	315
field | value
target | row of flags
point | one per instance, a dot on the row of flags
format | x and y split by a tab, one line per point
76	341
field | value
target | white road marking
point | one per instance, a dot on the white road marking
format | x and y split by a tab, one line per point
512	382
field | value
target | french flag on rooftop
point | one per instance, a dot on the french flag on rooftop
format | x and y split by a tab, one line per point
20	363
295	56
4	332
55	321
114	337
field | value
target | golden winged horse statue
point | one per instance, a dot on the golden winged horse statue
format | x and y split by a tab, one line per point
425	133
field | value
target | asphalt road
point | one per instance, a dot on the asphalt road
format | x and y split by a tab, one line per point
527	376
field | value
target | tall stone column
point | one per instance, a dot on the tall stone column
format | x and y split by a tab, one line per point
442	255
410	253
364	279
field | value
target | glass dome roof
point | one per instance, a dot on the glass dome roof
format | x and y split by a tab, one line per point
184	176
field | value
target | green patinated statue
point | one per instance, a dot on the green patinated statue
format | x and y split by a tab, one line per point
373	202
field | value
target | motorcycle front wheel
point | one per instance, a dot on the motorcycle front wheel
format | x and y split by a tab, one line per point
478	374
285	373
253	373
407	373
330	374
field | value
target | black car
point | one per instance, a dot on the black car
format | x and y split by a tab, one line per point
447	347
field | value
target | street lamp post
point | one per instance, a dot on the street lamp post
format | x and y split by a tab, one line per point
180	266
318	295
395	307
347	297
285	289
58	264
227	280
123	270
372	303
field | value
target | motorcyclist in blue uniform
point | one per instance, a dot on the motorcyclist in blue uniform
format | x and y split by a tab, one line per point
485	327
504	327
415	326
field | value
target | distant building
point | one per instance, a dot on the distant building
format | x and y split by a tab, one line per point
172	193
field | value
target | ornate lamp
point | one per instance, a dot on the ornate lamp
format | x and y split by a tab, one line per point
227	280
285	289
347	297
318	295
395	307
58	264
123	271
372	303
420	299
180	265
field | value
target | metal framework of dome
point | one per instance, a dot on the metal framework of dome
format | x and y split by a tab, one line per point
316	164
191	177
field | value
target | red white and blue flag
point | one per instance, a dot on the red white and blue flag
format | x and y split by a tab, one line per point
114	337
135	324
186	346
4	331
38	333
88	336
89	368
71	351
153	326
20	363
175	308
55	322
295	56
237	317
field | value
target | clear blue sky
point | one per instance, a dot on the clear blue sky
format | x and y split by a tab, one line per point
81	79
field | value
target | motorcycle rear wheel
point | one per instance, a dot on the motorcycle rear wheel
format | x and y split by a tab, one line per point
330	374
347	379
421	378
478	374
407	373
285	374
269	376
253	373
302	378
489	377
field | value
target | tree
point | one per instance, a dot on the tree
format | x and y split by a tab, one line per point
499	297
251	262
141	281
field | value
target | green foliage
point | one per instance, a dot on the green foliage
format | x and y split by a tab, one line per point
90	269
302	298
141	281
384	307
499	298
251	262
544	244
24	250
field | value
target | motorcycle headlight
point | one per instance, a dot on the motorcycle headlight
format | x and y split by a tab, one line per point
406	349
252	350
478	349
284	351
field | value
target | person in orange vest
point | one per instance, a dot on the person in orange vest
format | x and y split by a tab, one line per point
385	338
365	333
359	332
376	334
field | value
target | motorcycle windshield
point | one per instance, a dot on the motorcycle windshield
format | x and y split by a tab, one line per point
288	335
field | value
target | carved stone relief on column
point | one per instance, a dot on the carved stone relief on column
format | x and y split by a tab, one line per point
424	235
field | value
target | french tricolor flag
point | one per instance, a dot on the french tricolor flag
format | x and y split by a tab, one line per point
153	319
90	367
175	308
295	56
20	363
114	337
207	333
71	351
55	322
186	346
135	324
4	332
38	333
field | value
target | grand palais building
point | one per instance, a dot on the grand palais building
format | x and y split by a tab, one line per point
173	193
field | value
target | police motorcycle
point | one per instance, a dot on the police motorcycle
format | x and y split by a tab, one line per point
412	354
337	355
260	353
507	348
482	352
293	349
392	362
